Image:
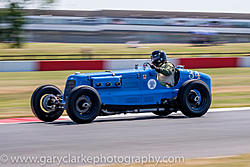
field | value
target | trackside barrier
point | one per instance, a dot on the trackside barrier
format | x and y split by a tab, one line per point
206	62
70	65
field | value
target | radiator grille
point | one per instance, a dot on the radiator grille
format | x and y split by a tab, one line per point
69	86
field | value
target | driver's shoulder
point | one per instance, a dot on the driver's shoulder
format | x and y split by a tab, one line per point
168	64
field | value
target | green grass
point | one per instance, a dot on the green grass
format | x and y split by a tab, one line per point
228	76
233	161
16	89
230	88
76	49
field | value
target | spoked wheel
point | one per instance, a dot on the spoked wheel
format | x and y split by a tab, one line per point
194	98
46	103
83	104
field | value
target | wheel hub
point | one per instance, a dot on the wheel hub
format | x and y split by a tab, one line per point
83	104
194	97
50	102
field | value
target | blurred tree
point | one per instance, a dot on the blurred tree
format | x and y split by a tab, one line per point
13	16
2	13
15	19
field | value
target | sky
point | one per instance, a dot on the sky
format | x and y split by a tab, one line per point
225	6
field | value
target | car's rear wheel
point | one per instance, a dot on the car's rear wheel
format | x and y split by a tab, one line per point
45	103
194	98
83	104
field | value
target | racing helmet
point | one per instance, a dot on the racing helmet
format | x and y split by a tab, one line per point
158	57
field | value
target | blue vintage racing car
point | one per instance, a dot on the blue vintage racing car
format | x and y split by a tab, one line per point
88	95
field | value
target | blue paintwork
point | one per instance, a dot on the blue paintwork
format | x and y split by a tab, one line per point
106	79
134	89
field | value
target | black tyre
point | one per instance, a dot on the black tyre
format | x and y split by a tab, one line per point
83	104
167	112
43	103
194	98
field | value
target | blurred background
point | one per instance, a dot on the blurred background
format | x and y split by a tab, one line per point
41	30
44	41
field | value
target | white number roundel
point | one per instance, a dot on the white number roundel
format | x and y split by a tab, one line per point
151	84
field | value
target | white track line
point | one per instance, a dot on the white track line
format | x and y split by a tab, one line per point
229	109
148	114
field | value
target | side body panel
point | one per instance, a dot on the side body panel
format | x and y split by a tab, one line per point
138	86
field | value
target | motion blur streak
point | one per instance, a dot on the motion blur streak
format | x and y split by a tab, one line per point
216	62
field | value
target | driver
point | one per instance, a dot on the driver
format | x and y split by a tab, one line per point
165	69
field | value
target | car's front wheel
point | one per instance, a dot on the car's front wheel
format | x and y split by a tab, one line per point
194	98
83	104
46	103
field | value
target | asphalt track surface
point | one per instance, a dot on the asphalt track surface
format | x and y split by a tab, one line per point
215	134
